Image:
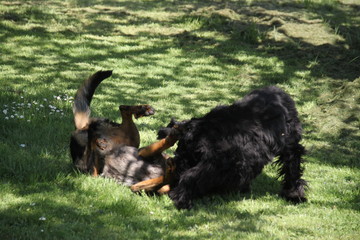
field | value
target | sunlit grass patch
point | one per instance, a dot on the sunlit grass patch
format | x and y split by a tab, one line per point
183	58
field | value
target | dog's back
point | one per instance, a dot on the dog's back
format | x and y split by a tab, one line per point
221	131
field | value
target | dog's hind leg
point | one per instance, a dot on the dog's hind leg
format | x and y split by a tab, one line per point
293	188
127	132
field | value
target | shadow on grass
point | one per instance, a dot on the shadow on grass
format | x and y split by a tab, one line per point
71	55
67	209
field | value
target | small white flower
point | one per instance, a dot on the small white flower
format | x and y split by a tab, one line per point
5	111
12	116
22	145
42	218
21	97
28	120
6	118
41	105
45	99
32	204
21	116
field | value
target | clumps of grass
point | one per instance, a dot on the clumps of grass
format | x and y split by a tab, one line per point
225	21
250	34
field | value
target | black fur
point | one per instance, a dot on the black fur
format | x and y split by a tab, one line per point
228	147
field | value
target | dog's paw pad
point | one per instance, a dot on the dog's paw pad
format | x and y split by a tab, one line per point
144	111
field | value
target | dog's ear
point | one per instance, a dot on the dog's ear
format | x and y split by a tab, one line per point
172	123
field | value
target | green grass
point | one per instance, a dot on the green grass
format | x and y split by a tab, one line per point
183	58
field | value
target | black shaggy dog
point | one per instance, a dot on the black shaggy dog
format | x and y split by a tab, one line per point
228	147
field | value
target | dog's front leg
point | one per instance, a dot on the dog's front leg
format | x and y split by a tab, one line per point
158	147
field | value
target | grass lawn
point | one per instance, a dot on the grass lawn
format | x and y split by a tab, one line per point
183	58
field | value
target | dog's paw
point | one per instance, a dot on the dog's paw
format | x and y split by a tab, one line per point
165	131
138	110
174	129
181	201
294	195
145	110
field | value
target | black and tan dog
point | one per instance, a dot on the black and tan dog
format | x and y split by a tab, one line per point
100	146
83	140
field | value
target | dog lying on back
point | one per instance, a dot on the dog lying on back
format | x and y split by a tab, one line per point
227	148
92	134
102	147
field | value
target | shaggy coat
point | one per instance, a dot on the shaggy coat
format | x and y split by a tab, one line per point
228	147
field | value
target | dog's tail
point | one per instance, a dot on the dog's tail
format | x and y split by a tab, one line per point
81	107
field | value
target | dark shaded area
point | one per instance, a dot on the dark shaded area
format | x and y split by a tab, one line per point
339	62
54	219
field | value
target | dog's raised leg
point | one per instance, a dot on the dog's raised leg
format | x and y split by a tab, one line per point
128	132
